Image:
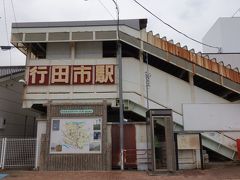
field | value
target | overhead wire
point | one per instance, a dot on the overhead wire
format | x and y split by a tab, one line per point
106	9
118	19
7	35
5	21
14	14
236	12
178	31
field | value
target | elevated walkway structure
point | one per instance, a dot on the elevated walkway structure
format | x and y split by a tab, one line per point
178	61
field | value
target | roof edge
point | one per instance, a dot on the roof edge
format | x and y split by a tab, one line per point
137	24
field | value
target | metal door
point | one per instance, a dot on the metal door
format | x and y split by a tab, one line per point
129	146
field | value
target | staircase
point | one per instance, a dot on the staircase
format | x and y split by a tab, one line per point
163	49
216	141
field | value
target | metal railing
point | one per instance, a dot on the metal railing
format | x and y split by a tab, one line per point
136	157
17	153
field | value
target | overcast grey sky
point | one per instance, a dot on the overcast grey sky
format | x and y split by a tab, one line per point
193	17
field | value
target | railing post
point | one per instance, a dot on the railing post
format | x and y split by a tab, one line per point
4	152
124	156
36	155
1	160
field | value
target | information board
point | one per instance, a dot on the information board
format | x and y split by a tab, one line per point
72	136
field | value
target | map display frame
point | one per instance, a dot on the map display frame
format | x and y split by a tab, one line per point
76	135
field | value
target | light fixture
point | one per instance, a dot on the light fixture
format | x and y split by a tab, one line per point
5	48
22	81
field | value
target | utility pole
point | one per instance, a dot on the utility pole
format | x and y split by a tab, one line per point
119	58
120	90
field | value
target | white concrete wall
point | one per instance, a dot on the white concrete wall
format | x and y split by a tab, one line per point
41	129
213	37
141	145
225	34
165	89
211	117
88	50
58	51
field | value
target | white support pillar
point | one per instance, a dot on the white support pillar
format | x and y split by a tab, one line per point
41	129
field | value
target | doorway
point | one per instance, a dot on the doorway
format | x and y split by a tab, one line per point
160	144
130	159
160	140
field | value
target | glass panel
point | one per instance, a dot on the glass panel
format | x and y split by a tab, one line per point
160	143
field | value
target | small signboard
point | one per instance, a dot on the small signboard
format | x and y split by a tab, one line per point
76	111
188	141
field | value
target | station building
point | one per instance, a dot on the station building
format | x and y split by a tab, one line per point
71	77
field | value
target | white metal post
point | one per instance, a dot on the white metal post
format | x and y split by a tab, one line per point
36	155
4	152
2	149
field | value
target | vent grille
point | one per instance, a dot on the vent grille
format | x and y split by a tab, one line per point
59	36
17	37
35	37
82	36
106	35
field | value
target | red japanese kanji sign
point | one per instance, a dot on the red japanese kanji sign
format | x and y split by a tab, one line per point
38	75
76	75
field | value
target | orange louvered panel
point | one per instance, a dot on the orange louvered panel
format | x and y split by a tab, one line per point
158	42
164	45
206	64
233	75
236	76
222	70
215	67
199	60
172	48
192	57
227	70
177	51
184	54
150	38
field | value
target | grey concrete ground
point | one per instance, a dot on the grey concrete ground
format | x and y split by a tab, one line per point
220	172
